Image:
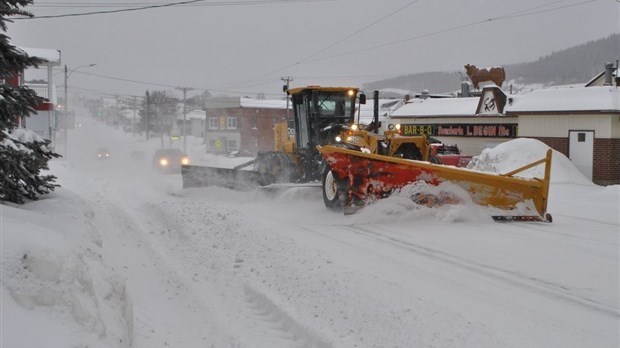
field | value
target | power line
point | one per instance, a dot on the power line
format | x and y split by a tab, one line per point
115	11
168	85
521	13
126	80
340	40
180	3
143	4
358	31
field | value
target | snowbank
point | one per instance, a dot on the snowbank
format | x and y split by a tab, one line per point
516	153
55	280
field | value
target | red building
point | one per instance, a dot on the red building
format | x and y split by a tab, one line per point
242	124
44	121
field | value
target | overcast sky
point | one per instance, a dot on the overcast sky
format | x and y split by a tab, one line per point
247	46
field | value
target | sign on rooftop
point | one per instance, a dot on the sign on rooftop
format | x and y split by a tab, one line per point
52	56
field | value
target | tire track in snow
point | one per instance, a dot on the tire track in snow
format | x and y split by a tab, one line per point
283	331
172	289
590	221
188	230
539	227
548	289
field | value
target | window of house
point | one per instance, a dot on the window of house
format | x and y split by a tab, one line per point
213	123
232	145
581	137
231	123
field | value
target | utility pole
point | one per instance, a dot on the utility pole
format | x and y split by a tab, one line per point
287	80
133	121
65	128
184	89
146	113
117	122
204	132
66	113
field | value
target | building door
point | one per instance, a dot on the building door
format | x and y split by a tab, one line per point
581	151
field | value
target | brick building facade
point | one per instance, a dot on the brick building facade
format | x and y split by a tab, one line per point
583	123
242	124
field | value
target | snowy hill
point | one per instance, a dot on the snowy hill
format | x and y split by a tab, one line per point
574	65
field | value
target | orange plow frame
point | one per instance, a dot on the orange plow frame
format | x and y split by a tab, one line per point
362	176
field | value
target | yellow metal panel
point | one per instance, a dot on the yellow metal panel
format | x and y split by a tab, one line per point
321	89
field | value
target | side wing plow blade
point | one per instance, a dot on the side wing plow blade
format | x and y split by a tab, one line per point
237	179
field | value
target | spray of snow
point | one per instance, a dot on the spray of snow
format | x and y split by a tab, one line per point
400	206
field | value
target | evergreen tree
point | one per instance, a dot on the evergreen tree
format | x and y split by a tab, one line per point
197	102
23	154
161	112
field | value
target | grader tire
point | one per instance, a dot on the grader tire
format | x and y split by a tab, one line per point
275	163
332	194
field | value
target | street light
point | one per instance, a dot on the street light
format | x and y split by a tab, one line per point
183	130
65	120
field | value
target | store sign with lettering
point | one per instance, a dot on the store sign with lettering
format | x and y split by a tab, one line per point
485	130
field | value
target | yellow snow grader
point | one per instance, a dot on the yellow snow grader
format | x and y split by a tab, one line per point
355	164
320	113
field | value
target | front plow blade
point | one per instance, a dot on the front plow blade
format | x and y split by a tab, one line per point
237	179
366	177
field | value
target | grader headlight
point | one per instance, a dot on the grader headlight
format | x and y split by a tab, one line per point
394	127
354	140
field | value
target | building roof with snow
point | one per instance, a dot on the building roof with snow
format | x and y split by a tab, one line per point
52	56
244	102
196	115
191	115
600	79
437	107
576	99
264	103
386	107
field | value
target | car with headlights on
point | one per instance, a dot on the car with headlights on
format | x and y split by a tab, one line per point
103	153
169	160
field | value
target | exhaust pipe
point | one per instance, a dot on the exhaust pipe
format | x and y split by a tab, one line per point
609	69
375	111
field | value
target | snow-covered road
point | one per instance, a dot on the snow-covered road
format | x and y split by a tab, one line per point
212	267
